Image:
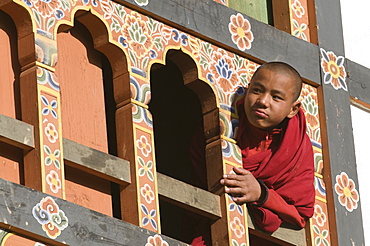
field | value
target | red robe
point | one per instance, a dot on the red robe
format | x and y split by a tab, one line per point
285	166
283	160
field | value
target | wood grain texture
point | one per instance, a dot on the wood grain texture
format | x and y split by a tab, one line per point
16	133
85	227
209	20
96	162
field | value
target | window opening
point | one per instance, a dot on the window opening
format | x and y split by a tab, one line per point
176	113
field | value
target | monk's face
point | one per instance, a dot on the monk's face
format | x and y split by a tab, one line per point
270	99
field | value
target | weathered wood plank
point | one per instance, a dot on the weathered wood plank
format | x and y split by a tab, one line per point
338	144
358	81
16	133
189	197
209	20
85	227
286	234
96	162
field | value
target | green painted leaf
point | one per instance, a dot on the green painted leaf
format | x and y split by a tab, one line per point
150	175
141	172
57	153
57	164
47	150
50	23
132	57
37	17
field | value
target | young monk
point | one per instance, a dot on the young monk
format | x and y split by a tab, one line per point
277	174
276	181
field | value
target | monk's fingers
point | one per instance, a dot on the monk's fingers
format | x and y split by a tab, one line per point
234	191
231	182
240	200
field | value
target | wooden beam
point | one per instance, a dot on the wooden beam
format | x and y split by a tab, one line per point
16	133
358	81
85	227
189	197
209	21
284	234
96	162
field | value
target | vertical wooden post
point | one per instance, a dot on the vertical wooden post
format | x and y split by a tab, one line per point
139	201
44	169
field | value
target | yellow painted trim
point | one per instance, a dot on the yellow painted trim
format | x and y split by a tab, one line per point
138	196
320	199
41	135
231	164
319	175
228	139
61	149
156	184
6	238
47	67
89	9
28	9
226	112
139	103
291	16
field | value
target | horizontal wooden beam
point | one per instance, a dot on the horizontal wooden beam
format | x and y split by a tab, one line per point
209	21
96	162
16	133
189	197
19	209
285	234
358	79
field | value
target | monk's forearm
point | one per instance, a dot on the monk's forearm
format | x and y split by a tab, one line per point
285	211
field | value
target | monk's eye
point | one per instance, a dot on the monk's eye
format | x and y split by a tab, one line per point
256	90
279	98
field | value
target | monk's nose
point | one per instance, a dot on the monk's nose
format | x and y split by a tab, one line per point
263	100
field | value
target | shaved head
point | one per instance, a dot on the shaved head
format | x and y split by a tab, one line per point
288	70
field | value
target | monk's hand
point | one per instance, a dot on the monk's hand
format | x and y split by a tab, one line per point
242	186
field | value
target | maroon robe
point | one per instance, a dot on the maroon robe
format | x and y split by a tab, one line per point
286	167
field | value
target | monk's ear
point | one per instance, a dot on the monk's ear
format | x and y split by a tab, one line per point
295	109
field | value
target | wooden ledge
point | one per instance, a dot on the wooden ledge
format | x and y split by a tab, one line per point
16	133
96	162
189	197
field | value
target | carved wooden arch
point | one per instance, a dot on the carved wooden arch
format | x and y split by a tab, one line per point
101	38
25	27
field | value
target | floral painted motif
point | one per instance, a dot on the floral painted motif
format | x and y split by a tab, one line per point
50	107
237	227
52	219
345	188
298	8
142	2
156	240
321	236
52	157
53	181
299	30
235	243
241	33
146	168
319	215
51	132
147	193
223	71
149	217
136	33
333	68
144	145
46	8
